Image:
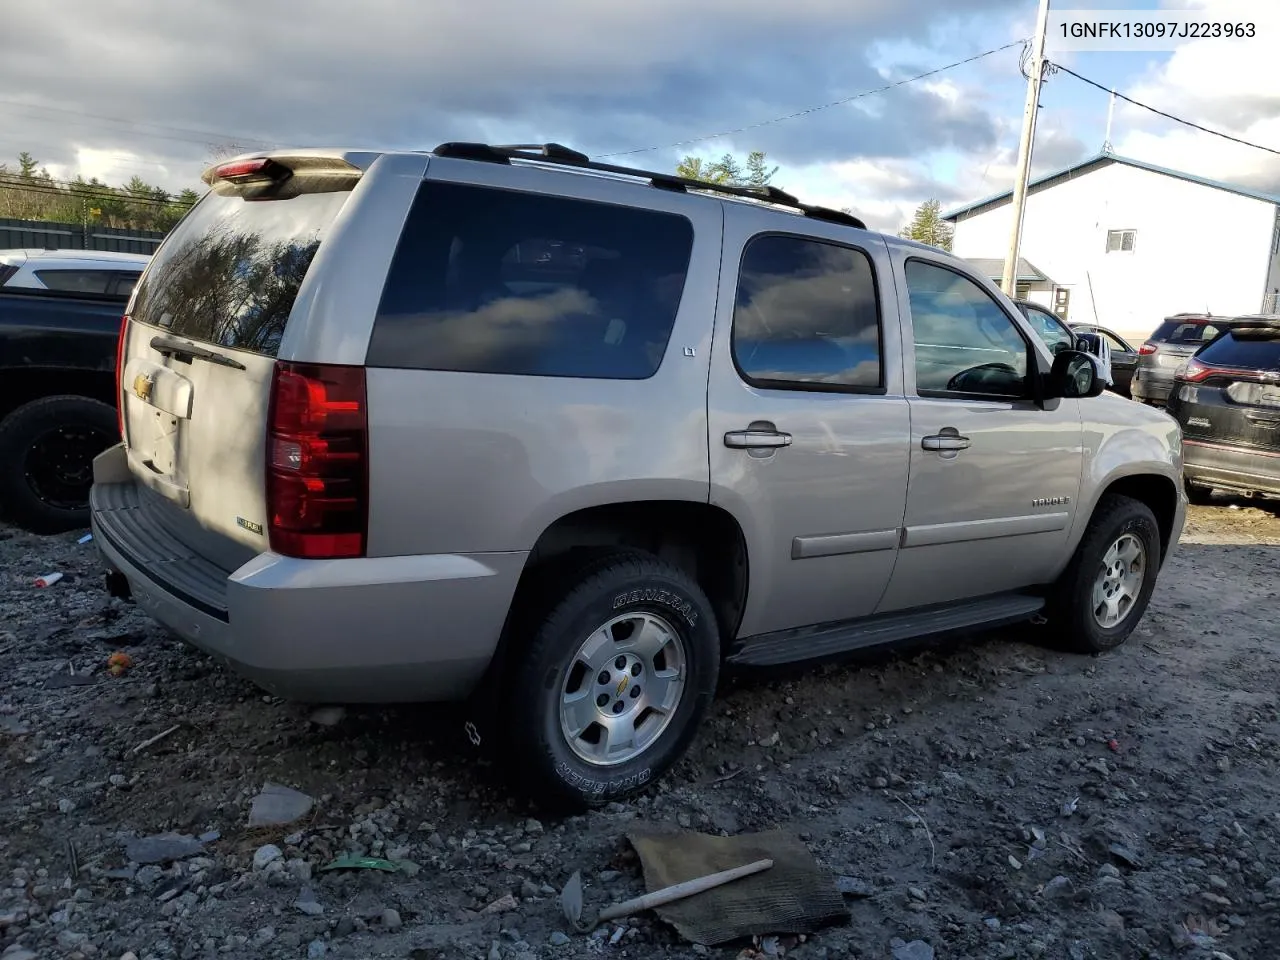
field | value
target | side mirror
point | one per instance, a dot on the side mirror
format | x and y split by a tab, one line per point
1075	375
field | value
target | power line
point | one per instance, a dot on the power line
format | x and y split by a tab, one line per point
12	149
1167	116
86	192
74	184
822	106
186	134
106	126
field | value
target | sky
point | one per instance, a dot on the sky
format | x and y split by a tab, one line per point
157	90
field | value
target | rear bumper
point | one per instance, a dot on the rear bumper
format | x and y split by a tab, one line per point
1149	386
376	630
1231	468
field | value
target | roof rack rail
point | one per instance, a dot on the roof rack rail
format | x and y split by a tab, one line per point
559	154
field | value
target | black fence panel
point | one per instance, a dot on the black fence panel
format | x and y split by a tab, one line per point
43	235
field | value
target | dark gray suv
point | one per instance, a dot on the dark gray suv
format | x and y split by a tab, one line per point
1168	348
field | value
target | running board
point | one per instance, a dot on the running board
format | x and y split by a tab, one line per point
828	640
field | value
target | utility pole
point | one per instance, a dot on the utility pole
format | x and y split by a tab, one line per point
1111	112
1035	64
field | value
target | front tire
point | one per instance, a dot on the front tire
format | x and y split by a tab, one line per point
1103	593
608	691
47	449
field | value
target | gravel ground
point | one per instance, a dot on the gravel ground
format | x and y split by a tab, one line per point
936	777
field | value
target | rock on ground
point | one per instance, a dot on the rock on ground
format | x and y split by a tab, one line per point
1138	792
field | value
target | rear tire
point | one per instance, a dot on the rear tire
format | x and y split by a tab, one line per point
47	449
607	685
1103	593
1197	495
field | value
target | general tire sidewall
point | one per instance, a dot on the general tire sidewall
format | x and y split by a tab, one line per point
17	432
1144	527
688	612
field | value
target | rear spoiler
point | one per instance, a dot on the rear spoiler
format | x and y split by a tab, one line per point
279	176
272	167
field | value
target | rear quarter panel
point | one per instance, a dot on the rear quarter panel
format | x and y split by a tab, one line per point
468	463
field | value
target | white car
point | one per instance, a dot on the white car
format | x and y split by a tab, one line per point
94	272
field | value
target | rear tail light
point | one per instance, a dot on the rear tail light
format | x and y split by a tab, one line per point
259	170
1193	371
317	461
124	330
1147	349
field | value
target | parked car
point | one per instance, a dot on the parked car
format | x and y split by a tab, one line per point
57	402
378	448
94	272
1124	356
1120	358
1176	339
1226	398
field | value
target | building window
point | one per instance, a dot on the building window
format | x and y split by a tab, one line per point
1121	241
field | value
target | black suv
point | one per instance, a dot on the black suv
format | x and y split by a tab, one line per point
1226	398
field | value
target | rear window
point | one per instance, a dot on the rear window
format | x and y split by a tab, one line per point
1247	352
230	271
78	281
499	281
1175	331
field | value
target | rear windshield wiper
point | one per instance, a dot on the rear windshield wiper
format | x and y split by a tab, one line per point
180	349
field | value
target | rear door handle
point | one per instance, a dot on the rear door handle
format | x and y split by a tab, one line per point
756	439
945	441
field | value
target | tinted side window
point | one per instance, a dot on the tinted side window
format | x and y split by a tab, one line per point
76	281
497	281
964	342
806	315
1117	344
123	284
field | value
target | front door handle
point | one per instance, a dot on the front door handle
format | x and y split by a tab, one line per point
756	439
945	441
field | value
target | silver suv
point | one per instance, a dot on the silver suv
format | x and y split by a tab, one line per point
566	438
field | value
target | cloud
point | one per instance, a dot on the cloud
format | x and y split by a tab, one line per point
605	77
1226	85
139	88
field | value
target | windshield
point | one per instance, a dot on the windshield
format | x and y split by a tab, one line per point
1178	331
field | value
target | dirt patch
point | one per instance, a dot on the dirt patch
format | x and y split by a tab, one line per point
1164	752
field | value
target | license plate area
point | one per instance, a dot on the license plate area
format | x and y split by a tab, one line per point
159	400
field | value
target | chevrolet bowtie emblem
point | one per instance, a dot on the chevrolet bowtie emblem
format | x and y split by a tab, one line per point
622	684
142	385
